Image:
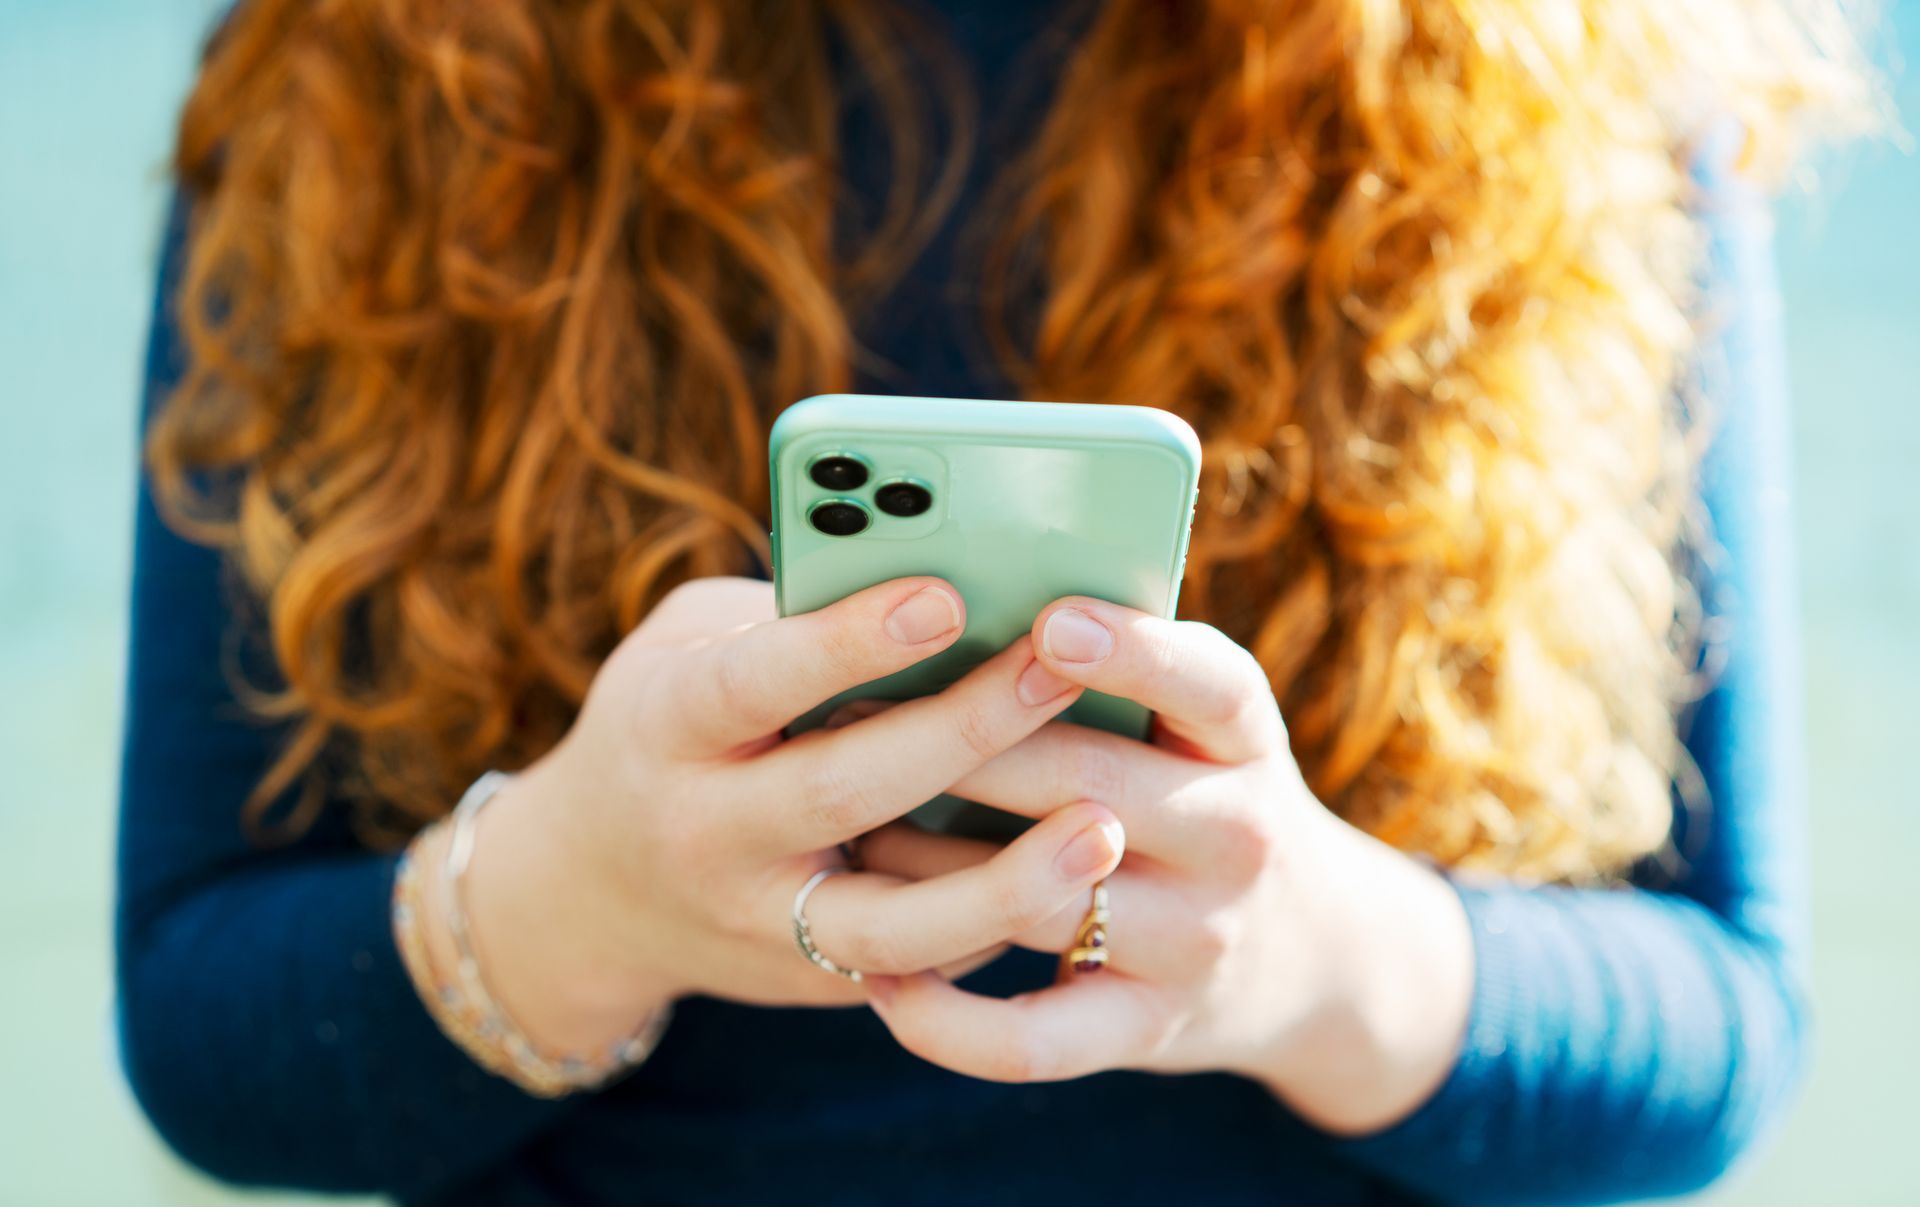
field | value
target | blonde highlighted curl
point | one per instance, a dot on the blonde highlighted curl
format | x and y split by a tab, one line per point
488	308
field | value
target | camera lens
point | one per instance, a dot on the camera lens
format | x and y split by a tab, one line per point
837	518
838	473
903	498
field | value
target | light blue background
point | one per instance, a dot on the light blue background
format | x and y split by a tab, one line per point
88	90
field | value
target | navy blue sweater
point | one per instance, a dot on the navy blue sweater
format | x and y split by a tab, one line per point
1621	1043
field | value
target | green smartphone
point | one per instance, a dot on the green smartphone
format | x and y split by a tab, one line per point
1014	503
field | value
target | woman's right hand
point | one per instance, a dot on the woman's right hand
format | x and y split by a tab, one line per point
655	851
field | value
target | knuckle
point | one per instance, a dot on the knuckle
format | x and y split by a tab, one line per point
1211	941
1092	773
1013	906
696	597
1160	1034
735	685
1168	648
1243	701
1246	687
699	879
683	595
736	927
836	799
1016	1058
872	946
680	836
1249	843
703	848
975	723
1256	690
844	653
1226	708
624	682
626	695
626	663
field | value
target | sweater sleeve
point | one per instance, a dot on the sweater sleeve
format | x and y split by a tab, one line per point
267	1025
1634	1043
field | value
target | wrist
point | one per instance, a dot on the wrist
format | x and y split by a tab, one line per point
1396	970
546	939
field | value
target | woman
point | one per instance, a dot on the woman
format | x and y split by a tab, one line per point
470	333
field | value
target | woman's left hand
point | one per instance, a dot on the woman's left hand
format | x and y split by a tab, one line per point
1252	931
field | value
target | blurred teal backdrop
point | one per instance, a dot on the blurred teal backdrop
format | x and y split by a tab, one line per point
88	90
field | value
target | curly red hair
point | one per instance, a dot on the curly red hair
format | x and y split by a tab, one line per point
489	308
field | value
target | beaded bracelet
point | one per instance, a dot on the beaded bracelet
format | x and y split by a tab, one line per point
467	1011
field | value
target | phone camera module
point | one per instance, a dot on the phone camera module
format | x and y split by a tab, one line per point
837	517
838	473
903	499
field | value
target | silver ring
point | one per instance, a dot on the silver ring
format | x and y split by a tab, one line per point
803	934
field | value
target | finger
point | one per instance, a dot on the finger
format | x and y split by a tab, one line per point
1208	691
1148	930
882	924
973	963
1090	1024
905	850
743	686
1163	799
707	607
826	787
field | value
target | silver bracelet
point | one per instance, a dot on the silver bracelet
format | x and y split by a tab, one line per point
528	1066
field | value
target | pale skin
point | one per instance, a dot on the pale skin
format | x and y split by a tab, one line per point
654	854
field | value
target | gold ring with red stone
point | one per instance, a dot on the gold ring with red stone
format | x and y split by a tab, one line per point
1089	952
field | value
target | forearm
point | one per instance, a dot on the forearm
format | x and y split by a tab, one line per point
1621	1045
273	1037
539	927
1395	957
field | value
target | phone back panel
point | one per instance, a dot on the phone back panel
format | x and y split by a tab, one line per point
1030	502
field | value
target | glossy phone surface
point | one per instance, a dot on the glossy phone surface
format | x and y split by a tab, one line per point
1014	503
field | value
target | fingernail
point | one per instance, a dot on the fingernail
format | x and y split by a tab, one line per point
1073	636
1091	850
928	613
1037	685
